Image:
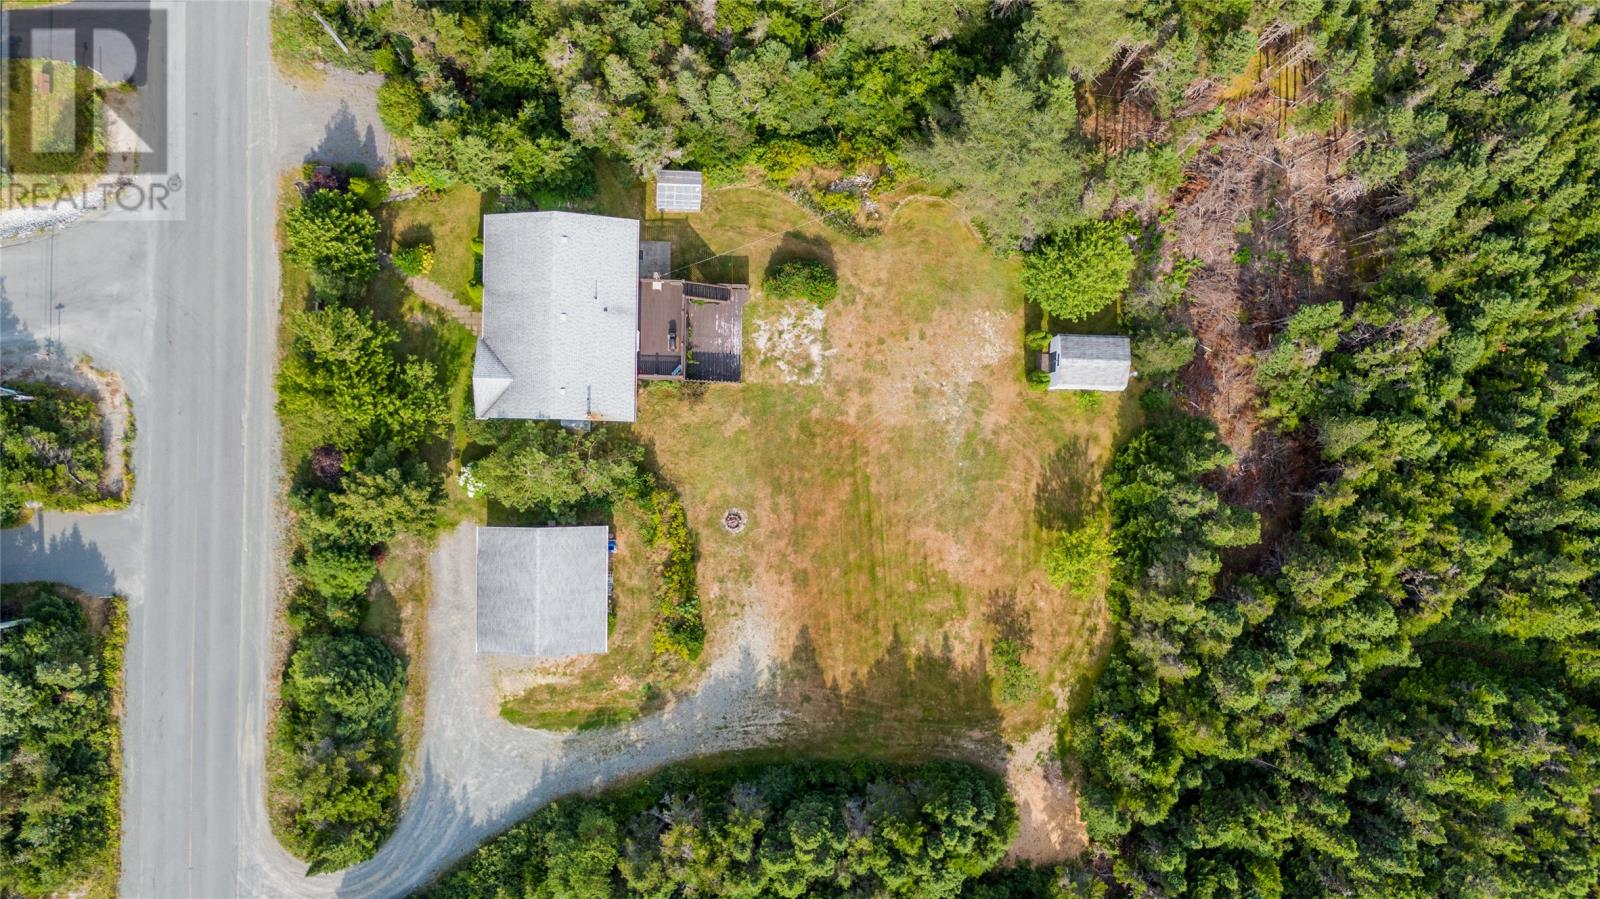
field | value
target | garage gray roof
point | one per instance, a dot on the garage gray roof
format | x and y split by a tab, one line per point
1089	362
678	191
543	592
560	317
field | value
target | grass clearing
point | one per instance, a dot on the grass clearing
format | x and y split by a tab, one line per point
899	505
450	221
53	142
899	476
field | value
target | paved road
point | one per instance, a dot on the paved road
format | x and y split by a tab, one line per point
182	311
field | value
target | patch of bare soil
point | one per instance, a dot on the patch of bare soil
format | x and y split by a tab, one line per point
111	398
793	343
1264	216
1050	828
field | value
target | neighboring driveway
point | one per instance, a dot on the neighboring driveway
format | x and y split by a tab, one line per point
333	121
476	774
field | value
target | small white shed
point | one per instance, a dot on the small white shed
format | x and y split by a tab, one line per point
1088	362
678	191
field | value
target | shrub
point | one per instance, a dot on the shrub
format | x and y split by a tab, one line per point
338	570
50	450
414	261
1076	274
556	472
340	385
386	61
1077	556
1017	682
337	781
803	279
371	193
332	236
680	630
400	105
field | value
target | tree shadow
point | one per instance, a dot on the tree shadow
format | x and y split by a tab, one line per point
1065	493
343	143
1009	618
695	260
15	336
32	555
797	246
415	235
913	702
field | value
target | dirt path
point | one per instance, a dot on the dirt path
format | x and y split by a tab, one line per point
437	296
1047	802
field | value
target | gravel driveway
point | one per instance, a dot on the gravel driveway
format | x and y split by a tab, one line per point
476	774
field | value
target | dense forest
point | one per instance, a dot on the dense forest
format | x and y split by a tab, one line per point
1356	552
766	830
1398	696
357	412
60	743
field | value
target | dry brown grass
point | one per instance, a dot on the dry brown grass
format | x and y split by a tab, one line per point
900	499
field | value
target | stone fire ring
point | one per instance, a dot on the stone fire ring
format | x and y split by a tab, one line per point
734	520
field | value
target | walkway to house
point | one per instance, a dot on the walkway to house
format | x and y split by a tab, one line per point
437	296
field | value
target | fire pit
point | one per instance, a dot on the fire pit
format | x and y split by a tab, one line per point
734	520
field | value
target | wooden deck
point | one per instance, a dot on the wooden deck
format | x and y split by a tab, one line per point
716	337
663	329
690	337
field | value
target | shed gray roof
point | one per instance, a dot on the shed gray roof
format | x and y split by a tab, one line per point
678	191
1090	362
543	592
560	317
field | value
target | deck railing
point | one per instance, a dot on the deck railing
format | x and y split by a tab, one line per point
715	292
660	365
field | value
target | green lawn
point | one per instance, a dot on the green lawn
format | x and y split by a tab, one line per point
49	113
450	221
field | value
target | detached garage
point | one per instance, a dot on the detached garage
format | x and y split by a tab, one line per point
543	592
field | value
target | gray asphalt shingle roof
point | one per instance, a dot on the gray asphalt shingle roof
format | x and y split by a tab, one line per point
678	191
560	317
543	592
1090	362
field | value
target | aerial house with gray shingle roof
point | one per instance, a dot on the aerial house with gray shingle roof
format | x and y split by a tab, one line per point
1087	362
560	317
543	592
576	309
